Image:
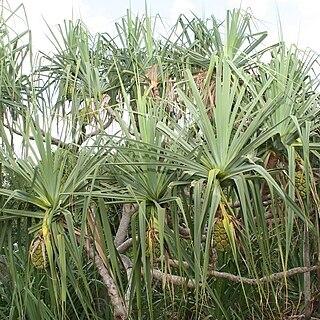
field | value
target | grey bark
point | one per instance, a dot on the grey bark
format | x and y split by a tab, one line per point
128	210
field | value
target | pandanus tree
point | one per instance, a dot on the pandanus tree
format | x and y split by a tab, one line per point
170	176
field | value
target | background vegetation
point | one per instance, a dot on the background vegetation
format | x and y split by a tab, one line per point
170	176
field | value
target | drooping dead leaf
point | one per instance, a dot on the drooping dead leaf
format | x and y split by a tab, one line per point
152	78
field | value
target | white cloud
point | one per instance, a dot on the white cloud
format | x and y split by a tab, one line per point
260	9
299	18
40	13
178	7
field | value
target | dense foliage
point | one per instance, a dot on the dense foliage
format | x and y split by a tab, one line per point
170	176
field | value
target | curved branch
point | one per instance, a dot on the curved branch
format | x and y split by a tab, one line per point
120	310
128	210
105	126
176	280
54	141
265	279
224	275
66	145
123	247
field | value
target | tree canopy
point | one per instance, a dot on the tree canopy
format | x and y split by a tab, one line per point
159	176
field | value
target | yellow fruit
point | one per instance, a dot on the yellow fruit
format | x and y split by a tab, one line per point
220	237
70	90
38	253
300	183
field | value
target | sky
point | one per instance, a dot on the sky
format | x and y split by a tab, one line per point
300	19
